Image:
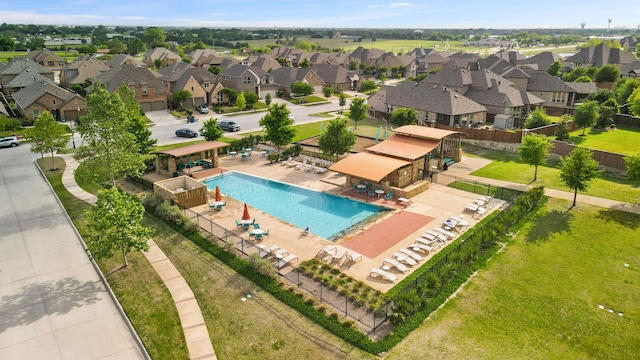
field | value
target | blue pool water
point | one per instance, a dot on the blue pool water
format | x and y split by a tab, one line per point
327	214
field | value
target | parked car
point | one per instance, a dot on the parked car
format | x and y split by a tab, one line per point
188	133
9	141
229	125
203	109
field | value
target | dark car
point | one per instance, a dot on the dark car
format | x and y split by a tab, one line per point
203	109
188	133
9	141
229	125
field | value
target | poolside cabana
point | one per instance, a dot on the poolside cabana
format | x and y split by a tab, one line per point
448	144
172	160
370	167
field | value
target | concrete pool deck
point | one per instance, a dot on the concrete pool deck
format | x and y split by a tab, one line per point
439	203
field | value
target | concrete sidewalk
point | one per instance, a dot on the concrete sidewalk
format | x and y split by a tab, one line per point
193	325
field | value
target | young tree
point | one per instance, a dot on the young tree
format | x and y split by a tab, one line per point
215	69
180	96
300	88
633	167
107	141
250	99
278	126
231	94
578	169
534	151
358	110
158	63
138	126
342	101
327	91
608	73
114	224
240	102
562	130
267	99
605	115
537	119
211	130
337	139
305	63
634	102
585	114
46	136
554	69
404	116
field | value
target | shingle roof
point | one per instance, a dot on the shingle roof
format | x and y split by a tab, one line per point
286	76
237	70
122	59
368	166
20	65
543	60
333	74
450	76
82	69
197	54
162	53
35	91
427	97
601	55
540	80
132	75
25	79
173	72
583	87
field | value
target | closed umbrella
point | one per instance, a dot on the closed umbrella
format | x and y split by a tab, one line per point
218	198
245	215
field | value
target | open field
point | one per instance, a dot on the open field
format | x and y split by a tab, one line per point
508	167
540	297
623	140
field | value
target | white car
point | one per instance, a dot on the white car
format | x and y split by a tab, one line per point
9	141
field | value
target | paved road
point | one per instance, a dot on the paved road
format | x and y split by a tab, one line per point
165	127
53	304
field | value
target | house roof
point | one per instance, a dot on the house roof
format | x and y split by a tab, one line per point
162	53
237	70
601	55
332	74
425	132
122	59
25	79
198	54
543	60
540	80
42	55
451	76
82	69
368	166
583	87
21	64
286	76
173	72
192	149
427	97
36	90
132	75
404	147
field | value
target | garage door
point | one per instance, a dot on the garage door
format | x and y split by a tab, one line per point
146	106
317	89
264	93
198	101
159	105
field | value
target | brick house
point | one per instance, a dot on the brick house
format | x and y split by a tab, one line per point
47	96
81	70
22	72
150	91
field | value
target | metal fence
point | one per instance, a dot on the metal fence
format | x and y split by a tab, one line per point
476	187
325	294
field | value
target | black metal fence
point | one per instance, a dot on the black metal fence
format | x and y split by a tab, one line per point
325	294
498	192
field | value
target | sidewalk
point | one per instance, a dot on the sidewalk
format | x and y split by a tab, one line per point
193	325
470	164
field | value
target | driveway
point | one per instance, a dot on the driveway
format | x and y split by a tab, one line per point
53	303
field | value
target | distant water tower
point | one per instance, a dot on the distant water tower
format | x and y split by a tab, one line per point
608	26
582	25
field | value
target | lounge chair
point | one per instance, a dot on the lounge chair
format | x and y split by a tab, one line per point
278	253
354	257
268	251
411	254
282	263
320	170
395	264
385	275
327	250
301	165
429	236
309	167
446	233
292	163
404	258
427	242
481	211
422	248
286	162
338	256
437	235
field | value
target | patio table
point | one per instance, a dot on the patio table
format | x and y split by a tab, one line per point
379	192
257	231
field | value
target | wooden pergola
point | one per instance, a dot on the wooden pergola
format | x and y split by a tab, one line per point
168	160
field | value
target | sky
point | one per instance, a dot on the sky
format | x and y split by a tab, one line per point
416	14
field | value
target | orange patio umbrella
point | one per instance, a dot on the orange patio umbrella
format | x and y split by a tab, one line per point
218	198
245	215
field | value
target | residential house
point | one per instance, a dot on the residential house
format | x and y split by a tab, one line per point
150	91
365	57
241	78
202	84
337	76
599	56
167	57
514	57
42	96
558	96
631	70
199	54
124	59
286	76
81	70
389	63
47	59
221	62
433	103
429	62
22	72
263	62
542	61
629	43
582	90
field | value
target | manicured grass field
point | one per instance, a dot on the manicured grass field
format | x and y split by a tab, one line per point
623	140
540	297
508	166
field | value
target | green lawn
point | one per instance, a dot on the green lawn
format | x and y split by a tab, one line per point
508	166
623	140
540	297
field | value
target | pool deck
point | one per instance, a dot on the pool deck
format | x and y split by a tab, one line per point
435	204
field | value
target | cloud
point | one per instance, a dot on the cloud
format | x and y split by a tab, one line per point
398	5
133	18
30	17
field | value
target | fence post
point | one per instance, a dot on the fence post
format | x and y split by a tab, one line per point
489	189
321	290
298	271
475	183
346	304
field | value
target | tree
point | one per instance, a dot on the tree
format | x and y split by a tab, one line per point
108	144
633	167
585	114
534	151
154	37
623	88
116	46
358	110
114	224
537	119
554	69
278	126
240	102
634	102
605	115
250	99
211	130
353	65
300	88
135	46
138	126
337	139
215	69
577	170
367	85
404	116
267	99
608	73
158	63
180	96
562	130
327	91
7	44
342	101
305	63
231	94
46	136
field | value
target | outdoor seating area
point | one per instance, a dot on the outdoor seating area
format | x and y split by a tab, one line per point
480	205
282	256
338	256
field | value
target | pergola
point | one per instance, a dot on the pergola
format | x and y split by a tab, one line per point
168	160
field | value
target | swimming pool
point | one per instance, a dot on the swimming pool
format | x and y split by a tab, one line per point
328	215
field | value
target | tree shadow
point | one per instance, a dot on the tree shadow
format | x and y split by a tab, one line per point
38	300
552	222
622	215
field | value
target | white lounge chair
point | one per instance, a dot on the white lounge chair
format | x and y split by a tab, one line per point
309	167
301	165
292	163
472	207
396	264
427	242
422	248
481	211
327	250
320	170
280	253
282	263
404	258
386	275
411	254
268	251
437	235
446	233
354	257
428	236
286	162
338	256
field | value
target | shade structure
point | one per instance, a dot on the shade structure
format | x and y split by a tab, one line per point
245	214
218	198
